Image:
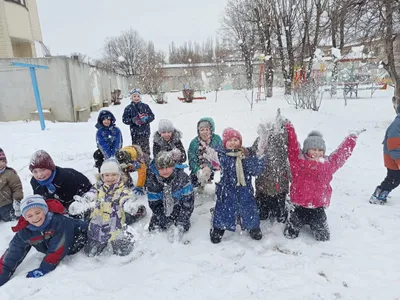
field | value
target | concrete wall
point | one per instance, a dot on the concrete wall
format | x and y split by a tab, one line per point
65	88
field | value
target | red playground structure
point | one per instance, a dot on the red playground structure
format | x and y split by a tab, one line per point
188	96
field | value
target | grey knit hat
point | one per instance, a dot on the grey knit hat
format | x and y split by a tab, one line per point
314	140
165	126
204	124
164	160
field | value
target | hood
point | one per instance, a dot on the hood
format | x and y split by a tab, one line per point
209	120
105	114
176	136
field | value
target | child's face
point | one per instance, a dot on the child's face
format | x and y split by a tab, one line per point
205	133
107	122
166	135
3	163
135	98
35	216
233	143
166	172
315	154
110	178
41	174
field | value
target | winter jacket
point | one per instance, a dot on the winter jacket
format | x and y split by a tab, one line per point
311	179
391	145
216	143
62	236
68	183
131	117
108	216
182	194
10	187
236	201
159	144
276	176
108	139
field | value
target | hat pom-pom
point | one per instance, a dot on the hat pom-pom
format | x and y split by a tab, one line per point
315	133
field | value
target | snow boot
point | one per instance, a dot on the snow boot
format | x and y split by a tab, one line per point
379	196
216	235
255	234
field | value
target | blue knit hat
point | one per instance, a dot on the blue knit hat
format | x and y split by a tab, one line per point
33	201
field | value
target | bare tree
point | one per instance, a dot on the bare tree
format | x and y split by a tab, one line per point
126	52
285	13
152	75
236	26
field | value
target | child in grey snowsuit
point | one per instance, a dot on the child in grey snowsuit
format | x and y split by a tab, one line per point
272	186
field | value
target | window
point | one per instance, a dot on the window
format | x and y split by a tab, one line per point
21	2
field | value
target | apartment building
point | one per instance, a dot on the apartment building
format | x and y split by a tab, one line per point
19	28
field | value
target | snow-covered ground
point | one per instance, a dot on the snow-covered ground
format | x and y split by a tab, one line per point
360	262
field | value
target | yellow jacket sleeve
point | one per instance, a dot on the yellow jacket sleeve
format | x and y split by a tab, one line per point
141	175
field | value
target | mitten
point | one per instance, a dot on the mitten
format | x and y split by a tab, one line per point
356	133
131	207
17	208
138	191
36	273
82	203
212	156
176	154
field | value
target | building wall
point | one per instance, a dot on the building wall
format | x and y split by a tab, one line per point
19	28
66	87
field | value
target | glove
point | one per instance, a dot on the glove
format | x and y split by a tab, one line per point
144	118
138	121
36	273
357	132
130	207
203	175
138	191
17	208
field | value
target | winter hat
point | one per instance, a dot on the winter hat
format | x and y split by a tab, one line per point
41	159
165	126
110	165
314	140
3	155
33	201
230	133
134	91
164	160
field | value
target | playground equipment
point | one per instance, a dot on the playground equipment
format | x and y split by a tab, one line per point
188	96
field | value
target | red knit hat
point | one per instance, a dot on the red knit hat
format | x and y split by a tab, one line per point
41	159
230	133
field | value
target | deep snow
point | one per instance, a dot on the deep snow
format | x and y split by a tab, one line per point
360	262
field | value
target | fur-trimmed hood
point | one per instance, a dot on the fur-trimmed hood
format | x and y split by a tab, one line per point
176	136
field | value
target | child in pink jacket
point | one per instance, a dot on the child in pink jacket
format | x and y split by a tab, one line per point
312	172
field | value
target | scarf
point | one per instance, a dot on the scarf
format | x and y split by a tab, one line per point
202	150
3	170
241	181
49	182
49	217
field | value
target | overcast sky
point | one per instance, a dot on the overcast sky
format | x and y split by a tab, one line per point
83	25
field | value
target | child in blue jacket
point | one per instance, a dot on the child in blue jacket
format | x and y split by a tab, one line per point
138	116
108	138
44	227
235	201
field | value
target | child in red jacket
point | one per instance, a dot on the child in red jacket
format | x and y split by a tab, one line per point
312	172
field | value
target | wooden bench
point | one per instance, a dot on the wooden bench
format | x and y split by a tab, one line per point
94	107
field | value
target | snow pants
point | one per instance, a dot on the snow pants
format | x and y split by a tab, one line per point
7	213
391	181
272	206
121	247
315	217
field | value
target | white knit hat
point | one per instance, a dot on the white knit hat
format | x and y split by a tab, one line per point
110	165
33	201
